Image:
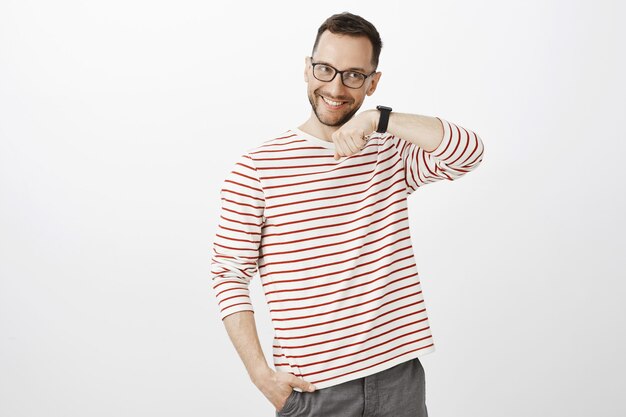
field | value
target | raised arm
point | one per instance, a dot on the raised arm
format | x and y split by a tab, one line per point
433	149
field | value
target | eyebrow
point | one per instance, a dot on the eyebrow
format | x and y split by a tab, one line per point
349	69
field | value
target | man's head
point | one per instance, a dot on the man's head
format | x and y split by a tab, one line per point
346	42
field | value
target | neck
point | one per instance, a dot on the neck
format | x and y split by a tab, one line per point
314	127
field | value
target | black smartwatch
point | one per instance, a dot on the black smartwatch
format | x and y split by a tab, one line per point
383	121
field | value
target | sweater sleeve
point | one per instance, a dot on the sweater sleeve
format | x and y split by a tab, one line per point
236	244
460	151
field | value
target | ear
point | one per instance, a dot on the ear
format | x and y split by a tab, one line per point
306	69
374	83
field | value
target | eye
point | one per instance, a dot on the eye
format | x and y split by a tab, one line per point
354	75
324	68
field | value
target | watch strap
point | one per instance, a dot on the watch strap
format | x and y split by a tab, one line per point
383	120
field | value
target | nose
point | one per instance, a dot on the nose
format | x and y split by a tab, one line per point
336	87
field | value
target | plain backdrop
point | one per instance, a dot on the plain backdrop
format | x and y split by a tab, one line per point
120	119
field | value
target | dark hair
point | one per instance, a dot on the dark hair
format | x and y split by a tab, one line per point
353	25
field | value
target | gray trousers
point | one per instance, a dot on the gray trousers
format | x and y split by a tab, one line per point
399	391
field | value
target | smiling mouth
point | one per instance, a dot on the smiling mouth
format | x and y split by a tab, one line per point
331	104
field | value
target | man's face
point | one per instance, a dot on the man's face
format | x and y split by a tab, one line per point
343	52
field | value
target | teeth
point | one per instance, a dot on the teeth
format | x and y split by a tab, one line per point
332	103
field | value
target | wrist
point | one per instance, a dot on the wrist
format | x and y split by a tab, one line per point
374	117
258	375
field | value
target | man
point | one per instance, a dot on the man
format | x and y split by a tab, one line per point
321	211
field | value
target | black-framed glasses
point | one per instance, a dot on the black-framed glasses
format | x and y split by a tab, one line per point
349	78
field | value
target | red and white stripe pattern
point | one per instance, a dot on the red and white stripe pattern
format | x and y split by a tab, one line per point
331	242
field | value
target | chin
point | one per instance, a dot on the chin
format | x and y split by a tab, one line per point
332	119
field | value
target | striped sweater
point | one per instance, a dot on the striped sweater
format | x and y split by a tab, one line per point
331	242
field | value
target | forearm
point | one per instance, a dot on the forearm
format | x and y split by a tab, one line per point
241	328
424	131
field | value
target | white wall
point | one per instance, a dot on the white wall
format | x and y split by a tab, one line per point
119	120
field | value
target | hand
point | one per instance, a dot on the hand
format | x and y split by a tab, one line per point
277	386
351	137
